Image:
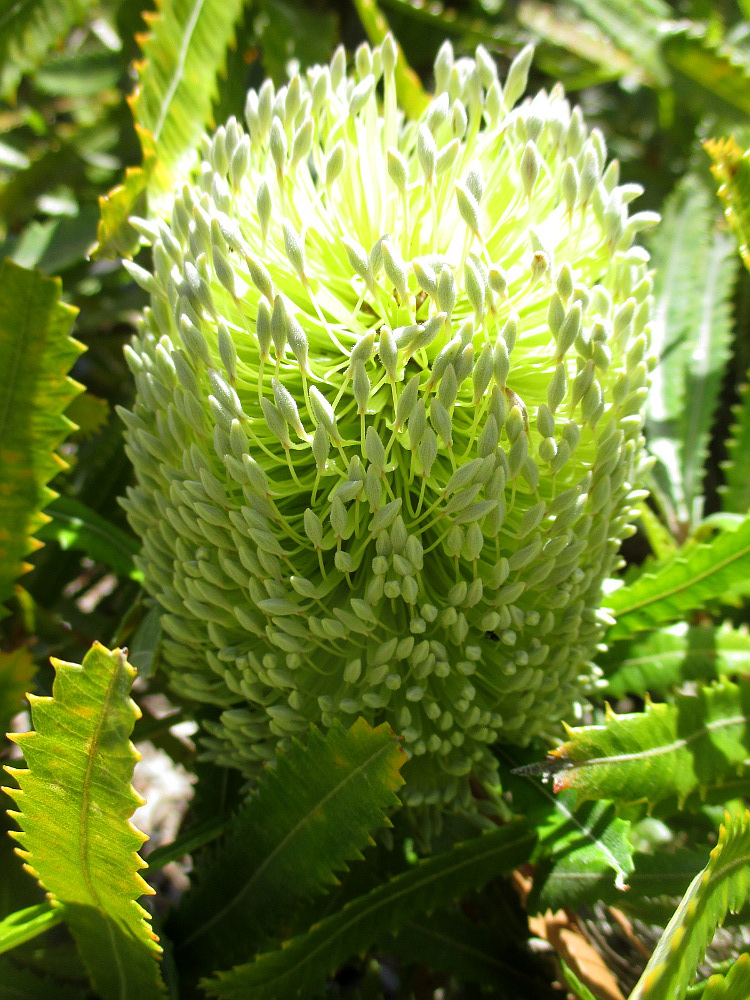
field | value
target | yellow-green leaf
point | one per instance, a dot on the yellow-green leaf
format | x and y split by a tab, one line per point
36	354
74	802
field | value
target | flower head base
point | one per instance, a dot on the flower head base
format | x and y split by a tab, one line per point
388	422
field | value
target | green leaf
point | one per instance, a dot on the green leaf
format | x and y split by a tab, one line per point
28	30
448	941
19	983
36	354
668	750
25	925
706	72
658	661
634	26
303	962
731	168
719	569
177	84
734	986
313	813
735	492
73	525
723	886
678	249
577	857
76	796
16	672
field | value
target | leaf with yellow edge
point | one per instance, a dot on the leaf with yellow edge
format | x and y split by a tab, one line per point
184	53
36	354
723	886
731	168
74	803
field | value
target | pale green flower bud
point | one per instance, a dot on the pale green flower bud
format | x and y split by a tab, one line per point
385	446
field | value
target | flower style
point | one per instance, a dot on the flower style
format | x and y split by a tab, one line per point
388	418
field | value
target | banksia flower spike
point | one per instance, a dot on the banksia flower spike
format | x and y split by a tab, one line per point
388	419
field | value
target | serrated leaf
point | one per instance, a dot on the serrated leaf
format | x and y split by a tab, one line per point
76	796
719	569
36	354
634	26
303	962
89	413
16	672
183	55
735	492
448	941
24	925
657	661
579	857
709	73
682	338
668	750
29	30
312	814
723	886
734	986
73	525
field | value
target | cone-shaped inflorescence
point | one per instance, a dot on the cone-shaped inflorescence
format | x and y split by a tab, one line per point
388	417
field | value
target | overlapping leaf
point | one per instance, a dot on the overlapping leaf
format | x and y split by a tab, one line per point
177	83
723	886
666	751
313	814
716	570
656	661
74	802
301	965
36	354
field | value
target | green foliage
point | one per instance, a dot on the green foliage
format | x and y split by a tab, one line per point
734	986
668	750
36	354
691	577
657	661
723	886
304	961
26	924
695	273
708	72
313	813
16	672
183	55
28	31
634	26
736	488
74	798
73	525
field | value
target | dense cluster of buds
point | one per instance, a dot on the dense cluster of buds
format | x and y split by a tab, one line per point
388	418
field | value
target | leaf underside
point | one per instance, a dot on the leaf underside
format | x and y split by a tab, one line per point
312	814
74	801
670	750
36	354
723	886
303	962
